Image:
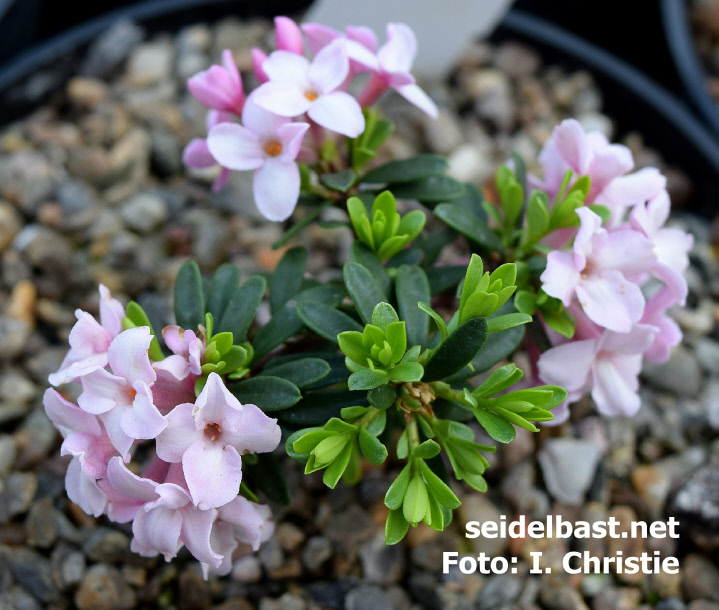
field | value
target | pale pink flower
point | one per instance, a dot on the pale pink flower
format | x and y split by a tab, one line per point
259	57
598	273
219	87
360	44
187	344
268	144
210	436
297	86
90	340
238	522
122	398
607	367
288	36
197	154
165	517
668	332
585	154
395	58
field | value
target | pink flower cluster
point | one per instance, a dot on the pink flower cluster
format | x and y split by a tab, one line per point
188	492
268	141
617	279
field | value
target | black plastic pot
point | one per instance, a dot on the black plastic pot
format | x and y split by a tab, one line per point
34	73
677	28
634	100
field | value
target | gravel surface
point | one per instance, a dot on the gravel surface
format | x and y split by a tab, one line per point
92	189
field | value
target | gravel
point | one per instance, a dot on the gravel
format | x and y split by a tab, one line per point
92	190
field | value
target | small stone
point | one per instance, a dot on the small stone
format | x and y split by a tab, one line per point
700	578
477	507
696	505
103	587
612	598
34	439
289	536
16	497
10	224
557	594
516	60
367	597
499	592
247	569
271	555
710	402
70	565
468	163
41	524
707	352
79	204
86	92
105	544
316	552
444	133
680	374
150	63
111	48
288	601
194	592
382	564
16	598
568	466
8	451
350	528
29	179
13	337
653	484
627	545
21	304
43	247
33	572
144	212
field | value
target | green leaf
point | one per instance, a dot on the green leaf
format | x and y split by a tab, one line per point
382	397
329	448
506	321
242	307
268	476
471	201
286	323
511	194
469	225
326	321
371	448
268	393
360	253
339	181
287	278
189	297
500	379
561	321
439	321
301	373
433	189
395	528
304	441
499	429
601	210
525	302
499	345
457	350
537	218
337	468
441	279
383	315
366	379
224	284
407	170
363	289
426	450
412	288
377	424
318	406
395	494
439	489
406	372
416	500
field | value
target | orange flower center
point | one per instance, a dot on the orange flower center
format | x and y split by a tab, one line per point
311	95
212	431
273	148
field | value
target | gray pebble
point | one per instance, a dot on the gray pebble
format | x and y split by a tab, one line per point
316	552
367	597
144	212
680	374
568	466
16	497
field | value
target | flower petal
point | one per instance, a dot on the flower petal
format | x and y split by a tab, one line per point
284	98
143	420
111	312
235	147
397	54
615	384
128	484
180	433
68	417
291	136
213	473
560	278
330	68
286	67
415	95
568	365
83	490
611	301
196	531
256	432
288	36
340	112
276	187
197	154
157	531
128	356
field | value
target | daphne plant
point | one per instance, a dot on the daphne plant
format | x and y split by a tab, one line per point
403	359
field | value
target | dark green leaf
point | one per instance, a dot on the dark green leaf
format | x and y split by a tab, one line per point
469	225
339	181
458	350
382	397
395	494
471	201
412	287
326	321
268	476
407	170
317	407
432	189
189	297
302	372
241	309
360	253
442	279
498	346
223	286
287	278
426	450
366	379
363	289
268	393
